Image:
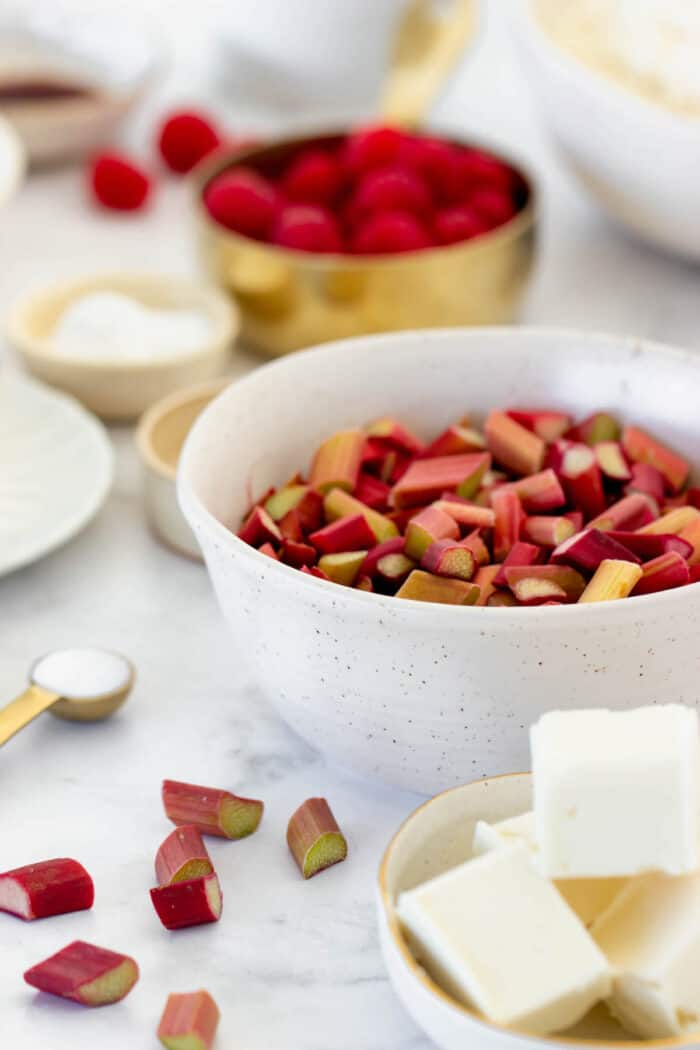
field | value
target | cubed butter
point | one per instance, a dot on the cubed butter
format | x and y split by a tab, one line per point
497	936
616	793
651	937
588	898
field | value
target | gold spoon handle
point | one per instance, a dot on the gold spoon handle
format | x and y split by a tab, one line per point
18	713
426	46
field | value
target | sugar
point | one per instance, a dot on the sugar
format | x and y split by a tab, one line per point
81	674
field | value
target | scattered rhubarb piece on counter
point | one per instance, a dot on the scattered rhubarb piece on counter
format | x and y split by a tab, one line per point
51	887
428	526
182	856
342	567
587	549
447	558
314	838
345	534
212	811
536	584
509	518
643	448
189	1021
519	554
424	587
337	461
85	973
549	426
193	902
547	531
612	580
663	573
512	445
676	521
426	479
339	504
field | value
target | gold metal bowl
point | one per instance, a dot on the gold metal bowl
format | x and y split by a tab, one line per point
292	299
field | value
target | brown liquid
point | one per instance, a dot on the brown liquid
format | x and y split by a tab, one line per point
16	92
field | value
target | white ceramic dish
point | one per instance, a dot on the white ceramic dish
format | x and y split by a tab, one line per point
419	694
436	837
12	161
111	387
56	465
638	160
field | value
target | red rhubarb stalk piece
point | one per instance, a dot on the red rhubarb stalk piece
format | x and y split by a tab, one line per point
339	504
693	497
259	528
314	838
373	492
474	543
313	570
641	447
337	461
393	546
182	856
364	583
50	887
694	571
485	580
425	587
662	574
309	510
290	526
454	440
576	516
189	1021
193	902
540	492
582	480
587	549
547	531
651	546
627	514
426	527
691	535
509	519
342	567
519	554
85	973
600	426
298	554
513	446
612	461
269	550
447	558
394	568
213	811
346	534
536	584
646	479
465	513
425	479
396	435
546	424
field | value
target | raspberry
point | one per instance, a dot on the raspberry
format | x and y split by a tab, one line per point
476	169
186	138
458	224
437	162
313	177
492	205
243	201
117	183
371	148
389	189
308	228
390	231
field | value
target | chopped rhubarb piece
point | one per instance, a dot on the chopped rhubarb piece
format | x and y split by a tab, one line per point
676	521
338	504
465	513
182	856
647	479
85	973
394	568
519	554
612	580
587	549
509	520
652	545
629	513
447	558
50	887
298	554
392	546
396	435
290	526
374	453
643	448
485	581
691	535
373	492
539	492
364	583
547	531
582	480
346	534
314	838
259	528
425	479
424	587
284	500
600	426
189	1022
536	584
694	571
693	497
426	527
394	466
190	903
503	599
454	440
612	461
512	445
313	570
343	566
663	574
474	543
309	510
337	461
213	811
401	518
576	516
269	550
674	502
547	425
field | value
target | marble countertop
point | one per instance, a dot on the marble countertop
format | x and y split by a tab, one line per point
292	964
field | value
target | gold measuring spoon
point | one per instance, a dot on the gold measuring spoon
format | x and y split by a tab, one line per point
82	685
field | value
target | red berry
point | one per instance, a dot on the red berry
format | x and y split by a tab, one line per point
492	205
437	163
371	148
390	231
117	183
243	201
458	224
185	139
313	177
307	228
389	189
476	169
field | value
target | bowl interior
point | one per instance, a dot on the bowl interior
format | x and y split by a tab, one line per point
165	426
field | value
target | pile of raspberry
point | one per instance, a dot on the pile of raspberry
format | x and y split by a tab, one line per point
375	191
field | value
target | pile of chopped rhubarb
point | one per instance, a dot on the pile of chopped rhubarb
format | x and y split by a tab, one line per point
533	509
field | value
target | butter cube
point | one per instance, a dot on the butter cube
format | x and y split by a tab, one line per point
616	793
498	937
651	937
587	898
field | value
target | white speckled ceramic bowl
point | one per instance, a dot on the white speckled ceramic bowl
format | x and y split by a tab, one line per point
425	695
435	838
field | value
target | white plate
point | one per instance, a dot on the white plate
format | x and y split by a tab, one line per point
56	465
12	161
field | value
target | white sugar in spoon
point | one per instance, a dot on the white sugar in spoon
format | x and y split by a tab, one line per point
83	685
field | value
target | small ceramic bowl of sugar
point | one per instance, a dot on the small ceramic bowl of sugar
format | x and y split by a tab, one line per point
119	342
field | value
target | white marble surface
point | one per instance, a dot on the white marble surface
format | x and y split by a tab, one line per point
294	966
